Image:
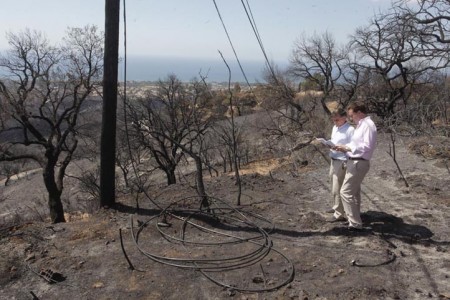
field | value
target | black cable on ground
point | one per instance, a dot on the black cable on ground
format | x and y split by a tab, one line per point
226	216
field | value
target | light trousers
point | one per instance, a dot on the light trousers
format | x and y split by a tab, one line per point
337	174
351	190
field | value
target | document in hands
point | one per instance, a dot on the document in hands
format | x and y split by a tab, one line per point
325	142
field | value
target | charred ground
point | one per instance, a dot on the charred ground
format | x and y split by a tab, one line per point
402	254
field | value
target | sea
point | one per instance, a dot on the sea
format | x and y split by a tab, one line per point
153	68
147	68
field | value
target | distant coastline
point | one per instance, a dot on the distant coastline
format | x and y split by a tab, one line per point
149	68
140	68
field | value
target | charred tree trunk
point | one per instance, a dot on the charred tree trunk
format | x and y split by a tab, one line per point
224	161
56	207
236	171
54	193
170	174
199	181
230	160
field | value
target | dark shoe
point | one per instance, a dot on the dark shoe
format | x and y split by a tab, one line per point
330	211
354	229
334	220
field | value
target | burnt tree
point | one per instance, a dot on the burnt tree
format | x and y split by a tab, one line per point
44	94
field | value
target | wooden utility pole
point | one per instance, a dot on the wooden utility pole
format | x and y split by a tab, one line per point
109	114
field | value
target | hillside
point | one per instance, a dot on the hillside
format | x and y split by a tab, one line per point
403	253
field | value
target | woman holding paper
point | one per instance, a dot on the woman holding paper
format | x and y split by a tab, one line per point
341	134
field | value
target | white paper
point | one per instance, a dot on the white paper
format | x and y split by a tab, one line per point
326	142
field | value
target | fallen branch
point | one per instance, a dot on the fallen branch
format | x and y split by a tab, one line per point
392	154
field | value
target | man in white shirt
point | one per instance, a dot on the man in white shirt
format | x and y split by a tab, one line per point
340	134
359	152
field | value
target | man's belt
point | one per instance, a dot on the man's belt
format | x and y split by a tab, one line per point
356	158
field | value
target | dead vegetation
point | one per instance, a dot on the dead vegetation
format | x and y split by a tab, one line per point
404	254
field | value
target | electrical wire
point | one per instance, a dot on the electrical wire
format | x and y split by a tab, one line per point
205	266
228	214
231	44
125	104
251	19
222	214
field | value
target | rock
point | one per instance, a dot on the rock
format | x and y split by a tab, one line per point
258	279
31	256
98	285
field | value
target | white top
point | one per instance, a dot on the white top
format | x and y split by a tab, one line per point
340	136
364	139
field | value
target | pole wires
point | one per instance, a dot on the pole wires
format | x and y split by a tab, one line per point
231	43
223	226
125	104
251	19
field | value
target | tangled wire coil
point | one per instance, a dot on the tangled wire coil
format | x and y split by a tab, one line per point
214	225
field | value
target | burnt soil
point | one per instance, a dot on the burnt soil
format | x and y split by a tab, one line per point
275	245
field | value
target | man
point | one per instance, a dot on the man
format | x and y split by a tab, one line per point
341	134
359	152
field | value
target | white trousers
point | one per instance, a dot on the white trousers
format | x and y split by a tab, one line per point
351	190
337	174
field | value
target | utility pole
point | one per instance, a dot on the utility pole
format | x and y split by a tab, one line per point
109	113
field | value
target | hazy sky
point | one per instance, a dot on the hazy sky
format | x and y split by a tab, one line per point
192	28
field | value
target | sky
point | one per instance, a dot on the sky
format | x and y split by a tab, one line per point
191	29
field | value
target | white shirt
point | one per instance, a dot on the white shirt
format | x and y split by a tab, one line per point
340	136
364	139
